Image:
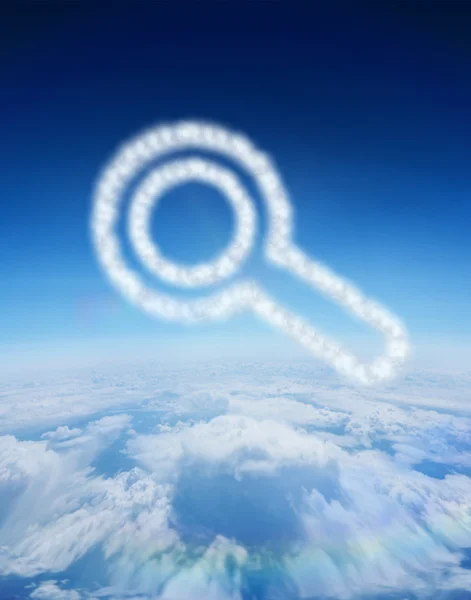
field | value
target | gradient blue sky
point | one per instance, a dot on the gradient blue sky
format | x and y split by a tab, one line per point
364	108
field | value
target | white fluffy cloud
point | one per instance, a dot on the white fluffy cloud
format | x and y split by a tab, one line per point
50	590
240	479
384	528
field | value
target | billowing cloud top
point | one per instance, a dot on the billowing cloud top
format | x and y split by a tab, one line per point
161	485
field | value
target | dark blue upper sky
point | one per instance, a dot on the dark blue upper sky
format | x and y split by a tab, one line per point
365	108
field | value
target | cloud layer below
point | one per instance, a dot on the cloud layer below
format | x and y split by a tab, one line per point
250	486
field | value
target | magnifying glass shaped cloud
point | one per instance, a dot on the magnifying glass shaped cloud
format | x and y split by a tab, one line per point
280	249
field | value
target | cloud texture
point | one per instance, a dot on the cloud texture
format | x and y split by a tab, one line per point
239	491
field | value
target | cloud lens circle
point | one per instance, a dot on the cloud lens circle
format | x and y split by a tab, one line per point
179	172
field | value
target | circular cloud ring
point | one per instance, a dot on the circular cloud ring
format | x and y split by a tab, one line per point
135	156
179	172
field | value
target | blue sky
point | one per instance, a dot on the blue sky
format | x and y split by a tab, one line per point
365	111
